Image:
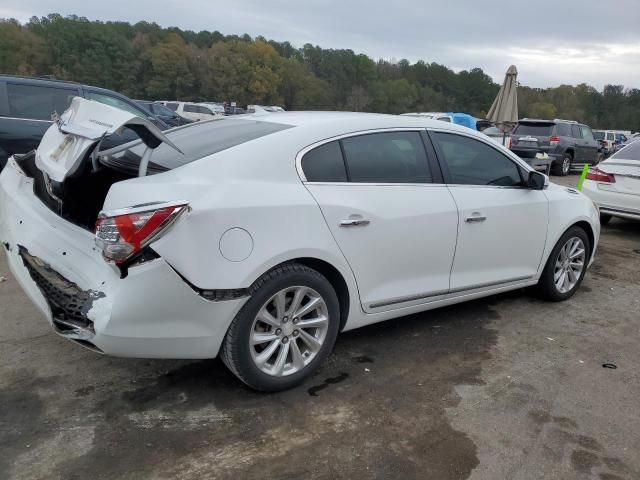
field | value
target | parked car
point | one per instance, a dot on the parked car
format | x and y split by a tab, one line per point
217	107
570	144
260	239
608	140
614	185
167	115
497	135
263	109
443	117
28	104
192	111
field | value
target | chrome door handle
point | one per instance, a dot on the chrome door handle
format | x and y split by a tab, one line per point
354	222
475	219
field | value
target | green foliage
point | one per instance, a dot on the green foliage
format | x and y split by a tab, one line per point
145	60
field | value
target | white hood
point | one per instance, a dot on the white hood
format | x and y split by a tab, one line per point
66	143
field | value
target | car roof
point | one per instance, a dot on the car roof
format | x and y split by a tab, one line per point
328	124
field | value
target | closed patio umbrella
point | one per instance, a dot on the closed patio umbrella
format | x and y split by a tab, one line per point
504	111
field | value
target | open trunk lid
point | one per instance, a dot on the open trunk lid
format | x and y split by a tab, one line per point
80	129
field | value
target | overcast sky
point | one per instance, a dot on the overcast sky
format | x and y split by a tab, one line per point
551	42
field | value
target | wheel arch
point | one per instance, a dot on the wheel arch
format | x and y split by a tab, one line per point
569	151
332	274
586	226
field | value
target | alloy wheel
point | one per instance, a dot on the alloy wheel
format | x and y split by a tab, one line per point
289	331
566	165
569	265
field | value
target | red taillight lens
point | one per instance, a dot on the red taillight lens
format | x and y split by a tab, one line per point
554	140
598	175
121	236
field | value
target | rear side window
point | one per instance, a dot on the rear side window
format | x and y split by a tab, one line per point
471	162
563	130
38	102
172	106
534	129
196	141
389	157
324	164
575	131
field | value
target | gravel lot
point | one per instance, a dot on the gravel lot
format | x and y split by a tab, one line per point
506	387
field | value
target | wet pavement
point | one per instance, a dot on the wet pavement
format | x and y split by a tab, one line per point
504	387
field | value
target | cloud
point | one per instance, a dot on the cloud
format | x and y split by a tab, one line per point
551	42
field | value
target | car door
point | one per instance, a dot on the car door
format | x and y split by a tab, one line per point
30	106
389	212
590	145
502	225
576	133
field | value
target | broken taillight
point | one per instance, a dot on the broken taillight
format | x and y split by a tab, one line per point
123	233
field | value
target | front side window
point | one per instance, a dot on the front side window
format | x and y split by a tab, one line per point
575	131
388	157
586	133
38	102
471	162
115	102
324	164
172	106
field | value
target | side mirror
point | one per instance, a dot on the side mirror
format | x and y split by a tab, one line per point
536	181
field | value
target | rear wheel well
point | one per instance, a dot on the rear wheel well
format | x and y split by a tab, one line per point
569	152
336	280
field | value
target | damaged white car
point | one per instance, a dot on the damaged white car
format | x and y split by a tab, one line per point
260	238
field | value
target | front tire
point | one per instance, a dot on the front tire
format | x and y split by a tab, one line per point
566	266
286	329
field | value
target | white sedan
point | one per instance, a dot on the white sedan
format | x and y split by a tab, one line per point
614	184
259	239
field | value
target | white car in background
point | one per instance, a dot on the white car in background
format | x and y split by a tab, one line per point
443	117
192	111
260	238
614	184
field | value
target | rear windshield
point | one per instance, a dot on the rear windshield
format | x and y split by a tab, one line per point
598	135
196	141
534	129
630	152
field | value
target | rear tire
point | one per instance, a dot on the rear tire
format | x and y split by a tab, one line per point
564	167
268	346
560	278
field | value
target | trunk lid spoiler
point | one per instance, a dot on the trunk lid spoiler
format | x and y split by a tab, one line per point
81	128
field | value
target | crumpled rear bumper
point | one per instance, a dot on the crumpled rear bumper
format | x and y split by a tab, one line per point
151	313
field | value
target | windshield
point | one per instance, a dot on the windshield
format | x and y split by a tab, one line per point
162	110
598	135
196	140
534	129
630	152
